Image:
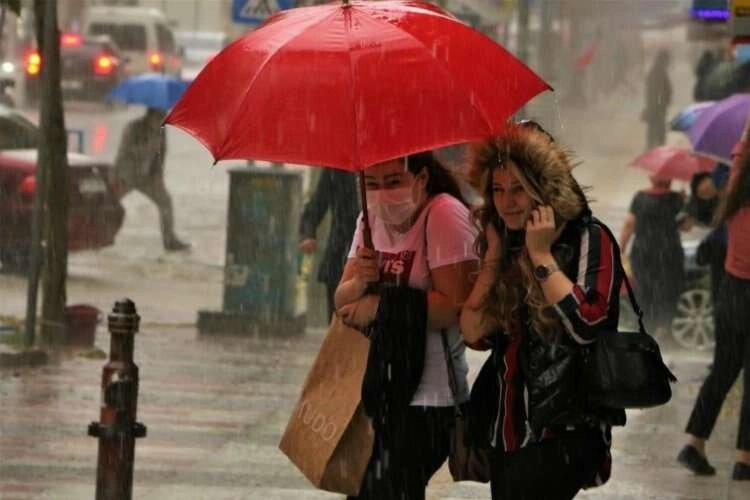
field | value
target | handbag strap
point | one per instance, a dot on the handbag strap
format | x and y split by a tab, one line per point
452	382
618	264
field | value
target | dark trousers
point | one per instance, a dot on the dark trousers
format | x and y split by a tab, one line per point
155	190
553	469
731	354
402	465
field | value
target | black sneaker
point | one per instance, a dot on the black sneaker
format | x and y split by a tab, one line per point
741	472
691	459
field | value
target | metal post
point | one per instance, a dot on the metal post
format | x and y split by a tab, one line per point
117	427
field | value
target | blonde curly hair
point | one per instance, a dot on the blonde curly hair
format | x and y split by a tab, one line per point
544	170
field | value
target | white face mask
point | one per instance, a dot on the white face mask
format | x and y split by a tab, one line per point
392	206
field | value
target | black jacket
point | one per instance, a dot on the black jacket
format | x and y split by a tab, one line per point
557	395
397	352
337	191
141	153
552	373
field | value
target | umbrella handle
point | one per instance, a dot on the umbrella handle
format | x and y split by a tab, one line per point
366	234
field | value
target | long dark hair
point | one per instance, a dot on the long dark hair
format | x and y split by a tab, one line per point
738	191
439	178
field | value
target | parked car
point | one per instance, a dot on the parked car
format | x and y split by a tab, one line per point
90	66
693	324
96	213
143	35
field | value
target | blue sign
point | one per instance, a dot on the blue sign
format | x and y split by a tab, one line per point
257	11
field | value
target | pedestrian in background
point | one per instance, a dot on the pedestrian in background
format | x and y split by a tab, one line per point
139	166
706	64
548	283
656	257
732	351
335	193
658	99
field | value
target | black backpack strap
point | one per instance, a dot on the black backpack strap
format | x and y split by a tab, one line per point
618	263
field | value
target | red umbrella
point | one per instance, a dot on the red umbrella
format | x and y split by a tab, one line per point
352	84
669	162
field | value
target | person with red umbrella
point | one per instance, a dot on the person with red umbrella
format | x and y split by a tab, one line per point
547	286
424	238
656	256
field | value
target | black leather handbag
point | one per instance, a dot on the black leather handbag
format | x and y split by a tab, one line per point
624	369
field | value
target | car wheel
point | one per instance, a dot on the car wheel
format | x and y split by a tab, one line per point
693	325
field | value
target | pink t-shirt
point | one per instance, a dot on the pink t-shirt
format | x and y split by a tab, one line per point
446	226
738	229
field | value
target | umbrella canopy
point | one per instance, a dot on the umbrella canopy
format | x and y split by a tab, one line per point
688	116
153	90
351	84
719	127
669	162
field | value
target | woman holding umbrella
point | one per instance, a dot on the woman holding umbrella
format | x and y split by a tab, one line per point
657	256
548	281
424	239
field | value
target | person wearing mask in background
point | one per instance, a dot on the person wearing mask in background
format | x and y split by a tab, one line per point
732	350
139	166
658	99
712	250
657	256
547	284
423	241
700	207
336	192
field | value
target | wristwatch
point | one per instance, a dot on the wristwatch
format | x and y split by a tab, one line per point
541	273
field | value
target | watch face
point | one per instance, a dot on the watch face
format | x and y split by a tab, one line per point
541	272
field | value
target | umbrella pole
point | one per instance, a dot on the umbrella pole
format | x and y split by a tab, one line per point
366	234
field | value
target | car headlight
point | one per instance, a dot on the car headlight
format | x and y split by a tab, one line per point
7	67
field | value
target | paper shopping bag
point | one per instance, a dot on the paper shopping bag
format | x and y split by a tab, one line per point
329	438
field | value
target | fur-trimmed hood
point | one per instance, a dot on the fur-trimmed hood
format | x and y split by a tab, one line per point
546	165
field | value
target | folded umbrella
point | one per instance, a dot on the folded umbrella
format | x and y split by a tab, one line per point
153	90
669	162
720	127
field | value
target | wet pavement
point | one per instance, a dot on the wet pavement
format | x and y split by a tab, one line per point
215	408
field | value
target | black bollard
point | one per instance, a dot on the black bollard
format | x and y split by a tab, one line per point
117	427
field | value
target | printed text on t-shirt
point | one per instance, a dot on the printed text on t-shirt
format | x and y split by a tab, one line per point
395	268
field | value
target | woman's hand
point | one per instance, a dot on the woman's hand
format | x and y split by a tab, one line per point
361	313
541	231
366	267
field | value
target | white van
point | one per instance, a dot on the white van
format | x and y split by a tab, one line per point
142	34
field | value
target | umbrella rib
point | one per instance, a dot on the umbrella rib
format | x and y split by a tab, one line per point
356	160
262	67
